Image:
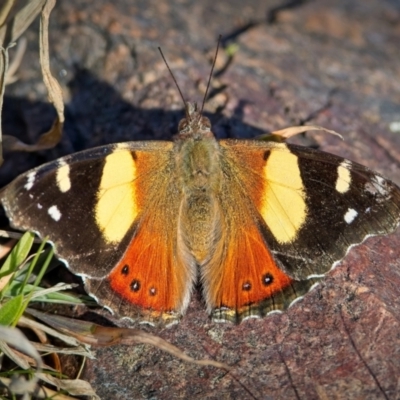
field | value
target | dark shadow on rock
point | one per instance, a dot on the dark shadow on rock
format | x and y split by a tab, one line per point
96	115
25	120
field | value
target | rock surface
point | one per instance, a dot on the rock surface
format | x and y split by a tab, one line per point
328	63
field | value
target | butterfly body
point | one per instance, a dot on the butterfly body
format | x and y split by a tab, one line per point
197	160
257	223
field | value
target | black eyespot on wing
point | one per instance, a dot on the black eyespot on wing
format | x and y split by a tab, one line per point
135	285
125	270
267	279
246	286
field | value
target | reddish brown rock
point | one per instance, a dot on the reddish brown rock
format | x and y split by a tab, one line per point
329	63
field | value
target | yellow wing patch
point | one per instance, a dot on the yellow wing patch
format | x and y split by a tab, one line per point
117	207
62	177
283	205
344	178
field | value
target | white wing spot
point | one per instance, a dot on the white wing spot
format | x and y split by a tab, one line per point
380	185
54	213
350	215
39	206
30	180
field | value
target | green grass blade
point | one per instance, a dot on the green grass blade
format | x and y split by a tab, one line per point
11	310
18	254
34	262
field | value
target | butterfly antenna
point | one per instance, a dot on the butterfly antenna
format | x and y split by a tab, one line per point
211	73
176	83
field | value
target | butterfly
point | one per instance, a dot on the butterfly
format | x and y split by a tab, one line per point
258	223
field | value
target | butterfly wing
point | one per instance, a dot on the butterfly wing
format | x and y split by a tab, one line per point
124	200
348	198
277	202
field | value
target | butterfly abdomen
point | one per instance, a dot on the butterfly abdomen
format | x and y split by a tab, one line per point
199	220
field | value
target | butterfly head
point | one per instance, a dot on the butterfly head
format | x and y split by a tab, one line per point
194	125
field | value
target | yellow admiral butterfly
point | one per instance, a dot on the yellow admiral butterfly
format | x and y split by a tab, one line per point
259	223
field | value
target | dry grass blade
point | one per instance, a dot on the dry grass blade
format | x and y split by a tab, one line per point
14	337
17	25
76	387
75	351
42	392
4	250
295	130
286	133
3	72
16	61
78	350
96	335
31	361
11	143
48	139
52	85
54	289
27	322
131	336
5	11
14	356
16	235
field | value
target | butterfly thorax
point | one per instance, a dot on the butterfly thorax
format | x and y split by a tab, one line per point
198	168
